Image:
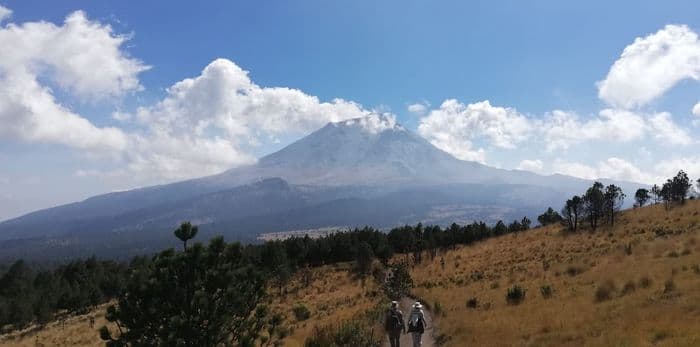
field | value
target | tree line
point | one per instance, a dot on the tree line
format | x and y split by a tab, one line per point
600	204
673	191
29	296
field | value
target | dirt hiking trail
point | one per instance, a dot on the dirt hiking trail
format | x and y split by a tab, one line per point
407	339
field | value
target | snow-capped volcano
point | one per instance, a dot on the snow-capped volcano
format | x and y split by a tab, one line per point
363	171
363	151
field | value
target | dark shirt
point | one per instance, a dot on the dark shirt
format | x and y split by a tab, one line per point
389	326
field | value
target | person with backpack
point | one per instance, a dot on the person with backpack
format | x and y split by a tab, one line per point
416	324
394	324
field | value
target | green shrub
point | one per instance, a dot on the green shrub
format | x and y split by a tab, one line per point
515	295
437	309
628	248
605	291
659	336
546	291
301	312
572	270
477	275
442	339
669	286
472	303
629	288
645	282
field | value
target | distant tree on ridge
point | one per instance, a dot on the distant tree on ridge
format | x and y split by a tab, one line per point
642	196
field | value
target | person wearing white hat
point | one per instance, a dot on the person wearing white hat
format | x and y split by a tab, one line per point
394	324
416	324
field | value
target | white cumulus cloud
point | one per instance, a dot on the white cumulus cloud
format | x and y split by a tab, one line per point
620	169
454	126
562	129
224	98
81	57
667	132
669	167
652	65
418	109
29	112
4	13
696	109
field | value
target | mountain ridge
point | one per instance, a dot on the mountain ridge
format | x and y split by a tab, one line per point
371	162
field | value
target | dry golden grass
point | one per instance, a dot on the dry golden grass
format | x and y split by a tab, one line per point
333	295
72	331
648	267
650	297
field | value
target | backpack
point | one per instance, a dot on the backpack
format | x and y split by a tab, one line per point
415	325
394	322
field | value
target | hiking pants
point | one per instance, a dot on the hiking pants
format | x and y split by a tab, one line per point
417	339
394	339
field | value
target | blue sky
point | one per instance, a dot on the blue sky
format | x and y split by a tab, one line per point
536	62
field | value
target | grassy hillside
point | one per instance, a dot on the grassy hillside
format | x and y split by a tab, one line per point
71	331
634	284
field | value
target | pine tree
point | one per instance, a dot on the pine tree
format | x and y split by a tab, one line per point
205	296
641	196
613	199
399	282
594	201
656	192
364	259
185	233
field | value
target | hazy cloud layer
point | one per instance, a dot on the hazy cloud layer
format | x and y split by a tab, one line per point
535	165
621	169
614	168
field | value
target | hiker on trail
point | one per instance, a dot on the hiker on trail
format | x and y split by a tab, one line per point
416	324
394	324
